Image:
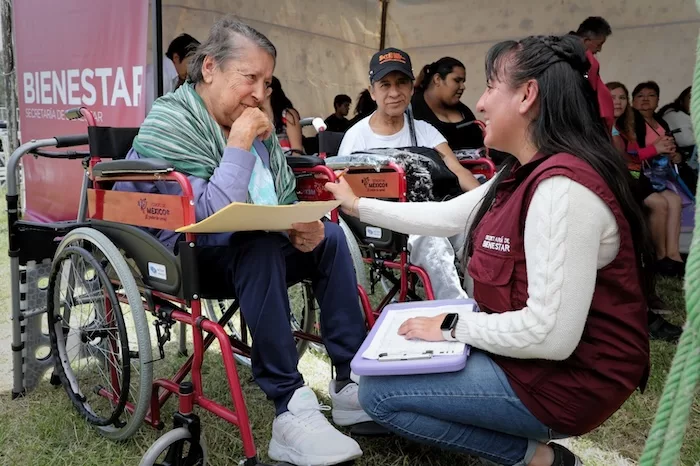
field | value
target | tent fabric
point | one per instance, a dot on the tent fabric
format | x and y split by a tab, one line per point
324	47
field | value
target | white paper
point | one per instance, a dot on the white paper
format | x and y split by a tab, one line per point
387	339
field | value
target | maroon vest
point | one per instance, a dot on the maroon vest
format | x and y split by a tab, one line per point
611	360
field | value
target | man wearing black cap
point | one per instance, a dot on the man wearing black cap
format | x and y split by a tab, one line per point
391	87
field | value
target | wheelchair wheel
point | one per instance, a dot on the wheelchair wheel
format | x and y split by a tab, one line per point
175	448
355	254
99	333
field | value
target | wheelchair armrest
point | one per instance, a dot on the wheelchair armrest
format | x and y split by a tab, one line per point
304	161
132	167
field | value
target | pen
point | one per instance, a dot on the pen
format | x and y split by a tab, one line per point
339	175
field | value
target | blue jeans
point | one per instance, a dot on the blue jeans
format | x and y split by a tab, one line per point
473	411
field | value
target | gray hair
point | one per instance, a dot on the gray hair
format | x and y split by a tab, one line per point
227	38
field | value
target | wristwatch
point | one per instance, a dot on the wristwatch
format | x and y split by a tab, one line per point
448	325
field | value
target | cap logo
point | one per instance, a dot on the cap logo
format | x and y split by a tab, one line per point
391	56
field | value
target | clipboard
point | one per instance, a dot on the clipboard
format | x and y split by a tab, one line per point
413	363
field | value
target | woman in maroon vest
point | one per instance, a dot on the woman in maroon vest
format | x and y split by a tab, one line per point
556	257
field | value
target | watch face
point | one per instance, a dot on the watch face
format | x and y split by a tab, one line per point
449	322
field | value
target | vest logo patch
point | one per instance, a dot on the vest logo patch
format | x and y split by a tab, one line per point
496	243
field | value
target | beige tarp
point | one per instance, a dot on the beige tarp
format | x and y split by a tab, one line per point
324	46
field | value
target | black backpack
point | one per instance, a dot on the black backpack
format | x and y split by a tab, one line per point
445	183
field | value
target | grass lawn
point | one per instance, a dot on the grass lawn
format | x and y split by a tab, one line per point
44	429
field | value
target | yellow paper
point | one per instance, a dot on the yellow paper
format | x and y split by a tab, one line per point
249	217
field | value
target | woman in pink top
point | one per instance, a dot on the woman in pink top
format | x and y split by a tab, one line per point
625	140
641	137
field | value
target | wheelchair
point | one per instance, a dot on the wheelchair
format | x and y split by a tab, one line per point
379	174
108	271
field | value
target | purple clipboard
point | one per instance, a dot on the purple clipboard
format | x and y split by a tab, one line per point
434	365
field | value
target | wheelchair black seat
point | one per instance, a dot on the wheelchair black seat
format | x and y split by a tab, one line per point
110	143
129	167
304	161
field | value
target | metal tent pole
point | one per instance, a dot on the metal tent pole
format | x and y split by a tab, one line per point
9	75
157	26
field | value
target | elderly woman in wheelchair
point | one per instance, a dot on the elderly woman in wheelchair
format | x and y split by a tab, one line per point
213	130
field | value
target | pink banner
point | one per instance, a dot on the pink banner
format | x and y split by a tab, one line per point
75	53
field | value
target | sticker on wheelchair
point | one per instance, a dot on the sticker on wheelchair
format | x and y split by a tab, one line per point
158	271
373	232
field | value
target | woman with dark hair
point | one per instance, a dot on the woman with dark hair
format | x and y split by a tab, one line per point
439	88
629	136
677	116
286	119
364	107
557	253
654	145
659	221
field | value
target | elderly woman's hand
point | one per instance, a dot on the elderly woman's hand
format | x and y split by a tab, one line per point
253	123
306	236
342	191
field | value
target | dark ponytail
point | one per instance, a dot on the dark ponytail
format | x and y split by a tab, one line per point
442	67
569	122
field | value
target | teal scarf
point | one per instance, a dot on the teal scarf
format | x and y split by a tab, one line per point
179	129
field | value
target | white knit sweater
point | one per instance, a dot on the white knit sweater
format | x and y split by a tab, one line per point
570	233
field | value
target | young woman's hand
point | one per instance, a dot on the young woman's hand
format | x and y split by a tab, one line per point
423	328
342	191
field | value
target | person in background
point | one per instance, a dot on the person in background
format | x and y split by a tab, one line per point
364	106
594	32
654	143
175	64
337	122
677	116
625	140
438	90
391	85
286	119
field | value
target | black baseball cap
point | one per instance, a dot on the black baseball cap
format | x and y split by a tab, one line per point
388	60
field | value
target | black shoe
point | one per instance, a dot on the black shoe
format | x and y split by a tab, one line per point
564	457
668	267
678	267
661	329
657	305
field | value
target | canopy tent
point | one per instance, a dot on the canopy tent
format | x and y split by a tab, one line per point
324	47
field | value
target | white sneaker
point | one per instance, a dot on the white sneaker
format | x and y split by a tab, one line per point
304	437
346	405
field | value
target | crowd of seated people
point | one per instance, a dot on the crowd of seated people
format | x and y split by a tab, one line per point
547	317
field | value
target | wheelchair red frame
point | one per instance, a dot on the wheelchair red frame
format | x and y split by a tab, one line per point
388	184
118	206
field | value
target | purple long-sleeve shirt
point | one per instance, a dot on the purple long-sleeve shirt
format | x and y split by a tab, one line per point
228	184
